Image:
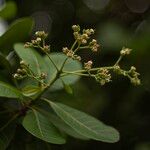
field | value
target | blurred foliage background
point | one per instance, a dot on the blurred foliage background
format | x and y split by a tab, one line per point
118	23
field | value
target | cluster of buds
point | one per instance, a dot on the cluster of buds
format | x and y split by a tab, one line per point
117	69
22	71
131	74
82	38
125	51
88	65
103	76
39	42
42	76
41	34
94	45
71	54
134	76
81	42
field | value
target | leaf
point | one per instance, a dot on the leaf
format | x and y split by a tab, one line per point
31	57
31	91
18	32
9	91
39	126
61	124
68	89
9	10
71	65
4	63
84	124
6	136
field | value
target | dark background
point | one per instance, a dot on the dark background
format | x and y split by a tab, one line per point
118	23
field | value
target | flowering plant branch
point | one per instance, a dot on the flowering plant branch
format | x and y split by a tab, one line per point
82	41
44	118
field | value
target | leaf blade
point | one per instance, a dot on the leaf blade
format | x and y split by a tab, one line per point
17	32
60	124
70	65
85	124
42	128
9	91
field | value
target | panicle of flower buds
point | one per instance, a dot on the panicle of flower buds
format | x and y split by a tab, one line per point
94	45
134	76
88	65
28	44
88	31
23	63
71	54
41	34
46	48
83	37
103	76
43	75
21	72
117	69
76	28
76	57
125	51
17	76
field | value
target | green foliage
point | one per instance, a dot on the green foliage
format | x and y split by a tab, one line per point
17	32
9	10
85	124
9	91
4	63
70	65
40	72
41	127
32	57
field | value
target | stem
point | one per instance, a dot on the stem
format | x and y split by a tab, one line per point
119	59
92	69
84	47
75	73
77	48
72	47
52	61
50	84
35	78
47	54
58	71
74	44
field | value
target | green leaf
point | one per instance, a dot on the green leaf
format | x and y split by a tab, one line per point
60	124
84	124
6	136
68	88
9	91
4	63
39	126
9	10
31	57
31	91
18	32
71	65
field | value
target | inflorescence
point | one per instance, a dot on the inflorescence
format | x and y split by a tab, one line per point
82	41
25	71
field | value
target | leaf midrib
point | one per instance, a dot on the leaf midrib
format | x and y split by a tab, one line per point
38	123
75	120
